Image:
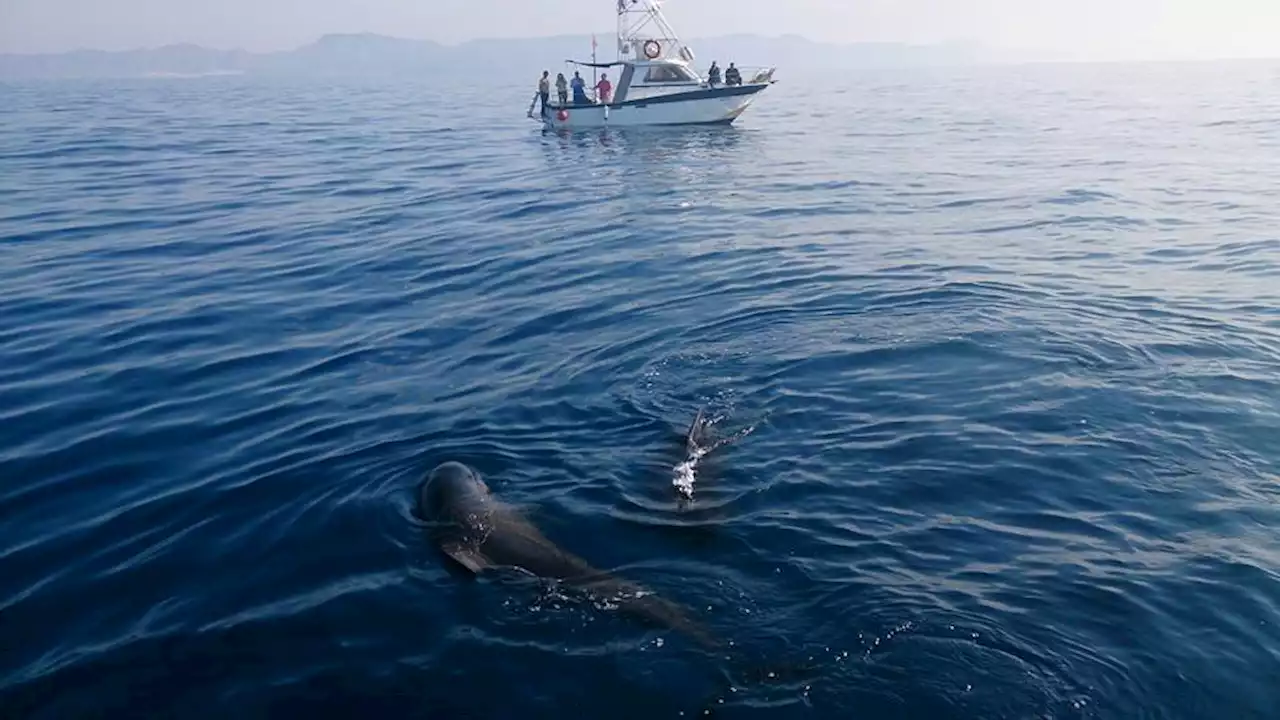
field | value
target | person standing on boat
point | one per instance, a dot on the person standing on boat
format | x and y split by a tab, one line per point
544	89
713	75
562	89
604	89
579	90
732	76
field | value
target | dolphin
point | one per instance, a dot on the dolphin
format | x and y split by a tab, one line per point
479	532
698	443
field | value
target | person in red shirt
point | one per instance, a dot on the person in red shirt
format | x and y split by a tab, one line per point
604	89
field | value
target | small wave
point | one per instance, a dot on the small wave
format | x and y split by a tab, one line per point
1013	330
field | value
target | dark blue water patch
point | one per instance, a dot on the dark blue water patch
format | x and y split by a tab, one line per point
1007	460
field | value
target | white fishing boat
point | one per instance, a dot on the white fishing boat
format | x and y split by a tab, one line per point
654	81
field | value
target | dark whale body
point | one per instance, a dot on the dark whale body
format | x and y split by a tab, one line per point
480	532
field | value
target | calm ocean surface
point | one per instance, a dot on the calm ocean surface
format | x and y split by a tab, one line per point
1009	339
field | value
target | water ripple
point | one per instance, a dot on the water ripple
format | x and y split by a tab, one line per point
1009	339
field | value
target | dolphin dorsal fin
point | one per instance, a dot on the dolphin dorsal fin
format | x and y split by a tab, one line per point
466	556
697	433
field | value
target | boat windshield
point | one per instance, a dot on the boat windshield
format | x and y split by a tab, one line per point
668	74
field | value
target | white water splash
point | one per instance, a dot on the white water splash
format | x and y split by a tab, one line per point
685	474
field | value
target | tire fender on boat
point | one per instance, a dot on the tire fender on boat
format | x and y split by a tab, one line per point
652	49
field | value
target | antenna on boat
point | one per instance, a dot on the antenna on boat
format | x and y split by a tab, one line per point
644	33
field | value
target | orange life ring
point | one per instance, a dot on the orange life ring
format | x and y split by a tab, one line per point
652	49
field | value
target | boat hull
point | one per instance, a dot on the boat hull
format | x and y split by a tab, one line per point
707	107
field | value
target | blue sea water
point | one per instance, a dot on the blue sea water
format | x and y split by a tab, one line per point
1009	339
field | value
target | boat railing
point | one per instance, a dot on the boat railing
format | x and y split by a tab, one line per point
751	75
592	99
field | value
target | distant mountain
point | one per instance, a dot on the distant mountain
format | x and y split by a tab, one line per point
793	51
167	60
368	54
363	54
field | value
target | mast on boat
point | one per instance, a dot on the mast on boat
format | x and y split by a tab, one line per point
643	31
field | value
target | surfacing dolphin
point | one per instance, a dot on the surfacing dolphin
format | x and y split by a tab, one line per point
697	445
480	532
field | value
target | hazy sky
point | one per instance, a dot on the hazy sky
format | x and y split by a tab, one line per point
1094	28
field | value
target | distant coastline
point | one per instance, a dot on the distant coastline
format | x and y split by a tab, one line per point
370	54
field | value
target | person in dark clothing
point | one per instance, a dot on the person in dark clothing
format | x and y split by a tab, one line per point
713	75
732	76
579	87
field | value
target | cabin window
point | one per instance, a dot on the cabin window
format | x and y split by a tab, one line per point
667	74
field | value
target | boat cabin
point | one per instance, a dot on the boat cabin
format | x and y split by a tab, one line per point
659	77
645	79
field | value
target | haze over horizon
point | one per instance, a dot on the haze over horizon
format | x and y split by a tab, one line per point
1087	29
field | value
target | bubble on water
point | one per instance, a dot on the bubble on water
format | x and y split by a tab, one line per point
686	476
